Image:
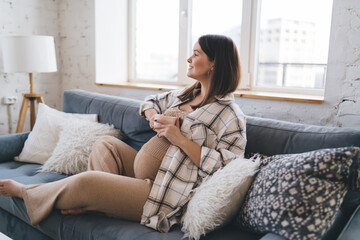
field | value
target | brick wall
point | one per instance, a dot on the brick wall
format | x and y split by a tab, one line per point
72	24
30	17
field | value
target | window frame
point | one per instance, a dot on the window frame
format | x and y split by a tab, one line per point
249	46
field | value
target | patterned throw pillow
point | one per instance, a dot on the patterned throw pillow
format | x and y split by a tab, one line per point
297	195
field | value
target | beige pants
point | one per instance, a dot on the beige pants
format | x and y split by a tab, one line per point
110	186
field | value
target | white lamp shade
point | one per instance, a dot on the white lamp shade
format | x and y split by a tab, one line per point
28	54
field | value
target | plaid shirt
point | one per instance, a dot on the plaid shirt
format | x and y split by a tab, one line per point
219	128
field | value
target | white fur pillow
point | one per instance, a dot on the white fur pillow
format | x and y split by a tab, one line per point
72	151
218	198
42	139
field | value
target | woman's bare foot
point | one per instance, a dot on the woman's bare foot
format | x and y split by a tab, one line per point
75	211
11	188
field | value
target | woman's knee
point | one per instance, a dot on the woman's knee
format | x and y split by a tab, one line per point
102	147
104	142
85	180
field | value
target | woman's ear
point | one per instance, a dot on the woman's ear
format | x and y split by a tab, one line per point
212	64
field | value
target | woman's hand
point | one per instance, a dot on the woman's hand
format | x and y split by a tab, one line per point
164	119
152	121
173	134
168	127
150	116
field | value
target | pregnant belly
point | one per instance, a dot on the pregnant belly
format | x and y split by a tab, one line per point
149	158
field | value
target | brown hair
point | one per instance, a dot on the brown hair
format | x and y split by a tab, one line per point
227	72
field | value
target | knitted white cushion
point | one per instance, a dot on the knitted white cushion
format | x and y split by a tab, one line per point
42	139
218	198
72	151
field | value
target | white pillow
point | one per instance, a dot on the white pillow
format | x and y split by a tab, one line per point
42	139
218	198
72	151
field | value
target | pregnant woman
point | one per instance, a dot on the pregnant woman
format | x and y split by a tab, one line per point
199	130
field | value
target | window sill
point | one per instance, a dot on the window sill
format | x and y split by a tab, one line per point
280	96
240	93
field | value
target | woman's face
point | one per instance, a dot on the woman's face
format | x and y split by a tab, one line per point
199	64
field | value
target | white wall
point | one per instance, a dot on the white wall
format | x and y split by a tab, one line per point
72	22
30	17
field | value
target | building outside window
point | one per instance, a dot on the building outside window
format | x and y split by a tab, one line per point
293	44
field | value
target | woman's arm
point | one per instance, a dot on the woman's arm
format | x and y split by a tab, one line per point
219	151
207	159
174	136
191	149
159	102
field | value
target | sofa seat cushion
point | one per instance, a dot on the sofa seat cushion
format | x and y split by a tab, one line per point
90	225
26	173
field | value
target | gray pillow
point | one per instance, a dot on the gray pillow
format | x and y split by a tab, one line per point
297	196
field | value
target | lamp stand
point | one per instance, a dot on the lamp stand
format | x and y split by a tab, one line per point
29	98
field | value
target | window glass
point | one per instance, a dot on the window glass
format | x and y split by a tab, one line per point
293	43
156	40
217	17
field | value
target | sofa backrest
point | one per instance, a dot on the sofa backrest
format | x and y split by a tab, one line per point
264	136
269	137
123	113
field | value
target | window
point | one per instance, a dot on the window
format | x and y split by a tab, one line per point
164	32
156	40
299	65
281	48
219	17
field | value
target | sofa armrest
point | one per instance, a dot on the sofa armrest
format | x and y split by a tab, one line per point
11	145
352	229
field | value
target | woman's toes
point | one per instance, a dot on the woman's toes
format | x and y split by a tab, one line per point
10	188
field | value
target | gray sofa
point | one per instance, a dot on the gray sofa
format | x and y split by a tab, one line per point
265	136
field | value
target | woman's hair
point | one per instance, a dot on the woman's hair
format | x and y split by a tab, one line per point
227	72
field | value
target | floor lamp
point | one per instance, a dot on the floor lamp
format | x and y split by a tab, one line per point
28	54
